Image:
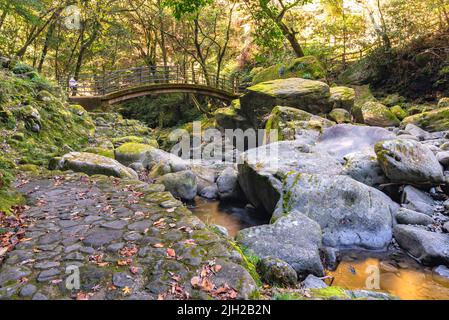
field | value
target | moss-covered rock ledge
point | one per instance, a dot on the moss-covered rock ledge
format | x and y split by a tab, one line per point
36	124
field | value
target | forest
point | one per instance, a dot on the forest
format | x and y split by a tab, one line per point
224	150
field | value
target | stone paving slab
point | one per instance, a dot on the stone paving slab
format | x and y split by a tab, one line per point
125	240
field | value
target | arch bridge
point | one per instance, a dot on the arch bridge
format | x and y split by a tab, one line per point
92	91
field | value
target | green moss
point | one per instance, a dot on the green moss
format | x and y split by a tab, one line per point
101	151
8	199
432	121
399	112
376	114
143	140
250	261
329	293
288	296
132	148
306	67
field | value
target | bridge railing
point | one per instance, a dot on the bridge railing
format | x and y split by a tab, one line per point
100	85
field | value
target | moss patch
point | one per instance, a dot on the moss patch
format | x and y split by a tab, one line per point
306	67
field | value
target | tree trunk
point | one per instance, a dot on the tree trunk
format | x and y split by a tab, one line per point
297	49
48	38
3	16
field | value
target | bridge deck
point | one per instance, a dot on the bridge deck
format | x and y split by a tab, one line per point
122	85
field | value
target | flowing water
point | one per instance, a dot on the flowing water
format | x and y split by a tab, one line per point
399	274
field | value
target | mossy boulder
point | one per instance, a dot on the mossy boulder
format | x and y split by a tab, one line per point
409	162
294	238
308	95
288	121
376	114
340	116
393	99
443	103
359	73
131	152
229	117
277	272
181	184
101	151
136	139
419	108
342	98
400	113
432	121
93	164
306	67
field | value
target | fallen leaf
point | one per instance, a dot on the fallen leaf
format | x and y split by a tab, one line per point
217	268
134	270
195	282
122	263
82	296
126	291
207	285
3	251
171	253
158	245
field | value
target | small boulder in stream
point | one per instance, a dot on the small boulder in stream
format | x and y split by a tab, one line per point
294	238
430	248
406	216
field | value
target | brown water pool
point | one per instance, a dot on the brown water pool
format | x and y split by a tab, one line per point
400	276
233	216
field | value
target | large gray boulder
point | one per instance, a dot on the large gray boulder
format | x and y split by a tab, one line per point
344	139
294	239
430	248
409	161
308	95
92	164
182	184
364	168
350	213
263	169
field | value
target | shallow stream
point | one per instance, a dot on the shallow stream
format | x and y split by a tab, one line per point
399	274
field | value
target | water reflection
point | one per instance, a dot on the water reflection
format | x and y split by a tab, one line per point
399	275
233	216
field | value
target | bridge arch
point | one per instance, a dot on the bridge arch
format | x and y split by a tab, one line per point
92	90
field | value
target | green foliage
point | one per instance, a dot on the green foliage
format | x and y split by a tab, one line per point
21	68
161	111
182	8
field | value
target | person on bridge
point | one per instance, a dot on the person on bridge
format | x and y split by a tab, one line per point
73	84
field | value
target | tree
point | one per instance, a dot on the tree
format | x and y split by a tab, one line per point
272	16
